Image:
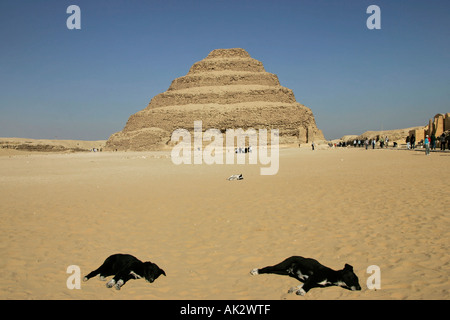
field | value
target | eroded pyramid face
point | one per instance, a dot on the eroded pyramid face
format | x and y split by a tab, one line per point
226	90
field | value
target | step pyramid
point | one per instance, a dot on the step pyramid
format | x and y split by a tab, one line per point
226	90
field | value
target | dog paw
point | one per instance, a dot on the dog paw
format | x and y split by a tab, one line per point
111	283
135	275
297	290
119	284
254	271
293	289
85	279
301	292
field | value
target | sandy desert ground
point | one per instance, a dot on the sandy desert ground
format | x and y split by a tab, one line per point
388	208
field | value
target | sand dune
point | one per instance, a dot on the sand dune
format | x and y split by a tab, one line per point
388	208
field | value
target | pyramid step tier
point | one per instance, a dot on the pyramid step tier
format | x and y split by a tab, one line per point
224	78
223	95
258	114
227	64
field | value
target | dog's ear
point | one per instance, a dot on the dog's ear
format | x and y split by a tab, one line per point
162	272
348	267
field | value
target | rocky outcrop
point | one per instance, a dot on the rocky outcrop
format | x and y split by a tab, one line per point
226	90
48	145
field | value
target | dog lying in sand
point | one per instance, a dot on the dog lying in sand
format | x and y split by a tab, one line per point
125	267
312	274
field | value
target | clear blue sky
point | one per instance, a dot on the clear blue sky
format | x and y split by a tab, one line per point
84	84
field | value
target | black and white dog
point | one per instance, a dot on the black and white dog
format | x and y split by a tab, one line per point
312	274
125	267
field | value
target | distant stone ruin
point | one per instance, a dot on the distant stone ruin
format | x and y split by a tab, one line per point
437	125
226	90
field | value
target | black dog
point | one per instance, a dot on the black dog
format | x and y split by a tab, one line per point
125	267
312	274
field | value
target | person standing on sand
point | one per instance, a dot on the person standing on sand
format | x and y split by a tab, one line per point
426	143
442	141
413	142
433	142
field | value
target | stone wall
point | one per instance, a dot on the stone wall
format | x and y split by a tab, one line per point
437	125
